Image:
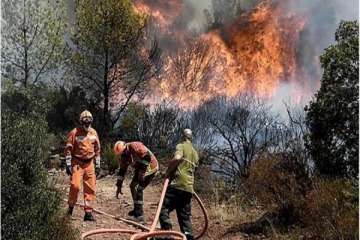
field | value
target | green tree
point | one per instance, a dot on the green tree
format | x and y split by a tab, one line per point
33	45
26	100
65	108
333	115
112	58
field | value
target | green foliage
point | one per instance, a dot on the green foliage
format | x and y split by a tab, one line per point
332	209
56	104
333	117
115	21
65	108
131	119
157	128
112	59
203	175
111	160
33	45
24	101
30	204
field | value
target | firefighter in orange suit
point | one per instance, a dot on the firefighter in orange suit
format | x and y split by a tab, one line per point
81	151
138	156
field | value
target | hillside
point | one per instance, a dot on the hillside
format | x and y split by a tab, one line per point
106	202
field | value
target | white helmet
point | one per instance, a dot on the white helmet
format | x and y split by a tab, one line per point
86	120
187	133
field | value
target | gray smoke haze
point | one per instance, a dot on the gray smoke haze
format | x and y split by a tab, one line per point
323	16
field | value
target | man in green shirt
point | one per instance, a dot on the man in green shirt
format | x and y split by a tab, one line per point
178	195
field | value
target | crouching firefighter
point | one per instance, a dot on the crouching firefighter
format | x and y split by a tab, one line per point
139	157
81	151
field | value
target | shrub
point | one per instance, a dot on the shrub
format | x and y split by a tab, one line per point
30	205
109	157
276	184
332	210
203	175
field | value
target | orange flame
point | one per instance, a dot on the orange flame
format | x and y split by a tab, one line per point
255	53
264	44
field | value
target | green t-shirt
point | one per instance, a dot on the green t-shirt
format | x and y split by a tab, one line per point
183	176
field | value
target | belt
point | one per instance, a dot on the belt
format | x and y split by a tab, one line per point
83	160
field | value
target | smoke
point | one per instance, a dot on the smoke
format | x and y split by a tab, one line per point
323	18
198	21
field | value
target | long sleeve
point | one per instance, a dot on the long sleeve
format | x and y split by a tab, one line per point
70	143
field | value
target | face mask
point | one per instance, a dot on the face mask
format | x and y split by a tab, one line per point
86	122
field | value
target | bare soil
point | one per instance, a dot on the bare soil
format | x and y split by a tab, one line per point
107	202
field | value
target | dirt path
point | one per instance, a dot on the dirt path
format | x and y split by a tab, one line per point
106	202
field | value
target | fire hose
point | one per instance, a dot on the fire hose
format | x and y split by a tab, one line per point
151	232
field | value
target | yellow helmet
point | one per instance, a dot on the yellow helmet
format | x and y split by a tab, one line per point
119	147
85	114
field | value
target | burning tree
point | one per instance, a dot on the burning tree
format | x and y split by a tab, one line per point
192	65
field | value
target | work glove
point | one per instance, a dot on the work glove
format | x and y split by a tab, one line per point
97	165
68	165
119	184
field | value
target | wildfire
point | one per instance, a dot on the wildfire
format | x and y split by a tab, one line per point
255	52
264	44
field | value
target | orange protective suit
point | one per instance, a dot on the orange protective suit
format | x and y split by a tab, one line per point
135	156
138	156
83	146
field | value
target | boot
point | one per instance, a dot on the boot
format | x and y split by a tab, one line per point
137	215
131	213
188	237
138	210
139	219
89	217
69	212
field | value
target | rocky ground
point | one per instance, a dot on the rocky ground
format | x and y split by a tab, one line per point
219	227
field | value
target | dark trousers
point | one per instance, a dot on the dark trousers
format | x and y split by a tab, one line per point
137	187
180	201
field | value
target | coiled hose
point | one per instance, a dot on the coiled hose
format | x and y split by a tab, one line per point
151	232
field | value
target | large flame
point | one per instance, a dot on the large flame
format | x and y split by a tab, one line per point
256	53
264	44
